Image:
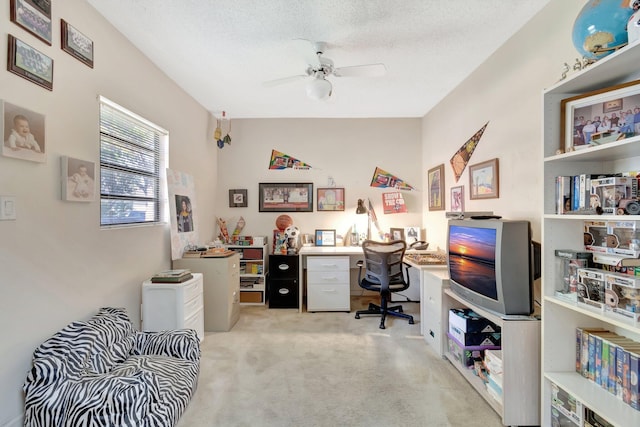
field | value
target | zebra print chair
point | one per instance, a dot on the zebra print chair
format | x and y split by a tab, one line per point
104	373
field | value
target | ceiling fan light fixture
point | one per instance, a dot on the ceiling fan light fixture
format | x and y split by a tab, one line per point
319	88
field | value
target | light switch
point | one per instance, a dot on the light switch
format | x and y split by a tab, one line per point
7	208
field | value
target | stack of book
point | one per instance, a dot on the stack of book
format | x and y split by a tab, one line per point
172	276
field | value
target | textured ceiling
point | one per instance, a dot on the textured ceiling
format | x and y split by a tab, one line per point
221	52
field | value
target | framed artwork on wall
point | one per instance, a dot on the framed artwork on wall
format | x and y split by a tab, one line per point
78	179
238	198
23	133
30	63
330	199
76	44
33	16
435	178
285	197
457	199
484	180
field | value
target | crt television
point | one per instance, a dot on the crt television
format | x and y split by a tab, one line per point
492	263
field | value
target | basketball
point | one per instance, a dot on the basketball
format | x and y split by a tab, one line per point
283	221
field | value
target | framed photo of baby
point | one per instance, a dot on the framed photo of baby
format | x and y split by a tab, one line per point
23	134
78	179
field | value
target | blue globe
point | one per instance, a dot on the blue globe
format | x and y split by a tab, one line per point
601	27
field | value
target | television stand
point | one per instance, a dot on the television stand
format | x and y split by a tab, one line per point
521	365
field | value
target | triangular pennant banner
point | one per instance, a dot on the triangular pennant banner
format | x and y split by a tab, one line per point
284	161
393	203
463	155
383	179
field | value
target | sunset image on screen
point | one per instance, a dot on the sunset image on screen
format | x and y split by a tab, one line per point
472	259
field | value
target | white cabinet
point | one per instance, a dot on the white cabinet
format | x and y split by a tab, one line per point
561	317
167	306
433	311
328	283
253	272
520	364
221	289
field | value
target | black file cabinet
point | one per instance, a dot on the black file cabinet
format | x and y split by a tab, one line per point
282	281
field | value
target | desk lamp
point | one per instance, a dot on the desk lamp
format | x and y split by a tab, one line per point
362	210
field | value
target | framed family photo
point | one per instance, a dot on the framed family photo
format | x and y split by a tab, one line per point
23	133
435	178
78	179
29	63
33	16
285	197
484	180
76	44
600	116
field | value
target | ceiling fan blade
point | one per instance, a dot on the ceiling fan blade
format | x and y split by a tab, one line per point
284	80
368	70
307	50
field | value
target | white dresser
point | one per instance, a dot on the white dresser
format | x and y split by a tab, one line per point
328	286
167	306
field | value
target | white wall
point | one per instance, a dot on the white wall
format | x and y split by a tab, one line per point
56	265
348	150
505	91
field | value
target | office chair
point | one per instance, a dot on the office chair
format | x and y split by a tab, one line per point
384	274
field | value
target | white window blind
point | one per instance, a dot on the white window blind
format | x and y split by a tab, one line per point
132	156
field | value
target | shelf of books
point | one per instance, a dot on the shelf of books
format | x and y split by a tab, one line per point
253	268
591	250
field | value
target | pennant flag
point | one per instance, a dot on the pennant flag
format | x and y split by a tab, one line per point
393	203
463	155
283	161
383	179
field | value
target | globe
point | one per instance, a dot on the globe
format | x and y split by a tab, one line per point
601	27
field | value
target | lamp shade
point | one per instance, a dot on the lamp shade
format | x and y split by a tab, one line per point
361	209
319	88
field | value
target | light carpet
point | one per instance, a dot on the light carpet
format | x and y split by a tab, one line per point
278	367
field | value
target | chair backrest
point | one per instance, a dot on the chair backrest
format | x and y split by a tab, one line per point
383	261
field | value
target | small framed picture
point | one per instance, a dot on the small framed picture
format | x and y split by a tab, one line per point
78	180
33	16
435	178
238	198
330	199
397	234
457	199
285	197
30	63
484	180
24	133
325	237
76	44
411	234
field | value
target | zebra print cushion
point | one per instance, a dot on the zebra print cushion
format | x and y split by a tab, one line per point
104	373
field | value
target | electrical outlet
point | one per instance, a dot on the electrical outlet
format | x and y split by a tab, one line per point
7	208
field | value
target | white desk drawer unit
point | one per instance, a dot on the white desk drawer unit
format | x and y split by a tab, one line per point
167	306
328	283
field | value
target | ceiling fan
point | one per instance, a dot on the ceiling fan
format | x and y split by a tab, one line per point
321	67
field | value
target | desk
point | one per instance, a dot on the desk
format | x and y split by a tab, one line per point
355	254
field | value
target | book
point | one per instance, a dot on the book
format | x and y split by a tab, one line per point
563	194
172	276
172	279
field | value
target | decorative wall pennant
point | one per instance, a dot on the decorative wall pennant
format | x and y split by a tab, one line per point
284	161
383	179
463	155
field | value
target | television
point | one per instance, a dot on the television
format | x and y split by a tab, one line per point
493	263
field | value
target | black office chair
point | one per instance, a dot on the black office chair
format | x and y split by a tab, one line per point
384	274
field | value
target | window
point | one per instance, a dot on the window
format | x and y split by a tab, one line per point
132	165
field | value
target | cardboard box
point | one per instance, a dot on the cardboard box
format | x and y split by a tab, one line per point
466	355
592	419
566	404
467	321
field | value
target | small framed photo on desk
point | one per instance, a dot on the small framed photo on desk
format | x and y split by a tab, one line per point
325	237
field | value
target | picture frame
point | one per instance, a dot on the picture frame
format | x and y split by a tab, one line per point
484	180
78	179
412	235
238	198
457	199
330	199
396	233
33	16
325	237
435	179
596	117
285	197
33	147
76	43
29	63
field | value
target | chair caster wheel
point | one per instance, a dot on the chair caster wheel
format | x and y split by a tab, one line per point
357	316
382	327
411	322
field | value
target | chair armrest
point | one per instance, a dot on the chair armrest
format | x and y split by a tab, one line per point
179	343
406	275
360	264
